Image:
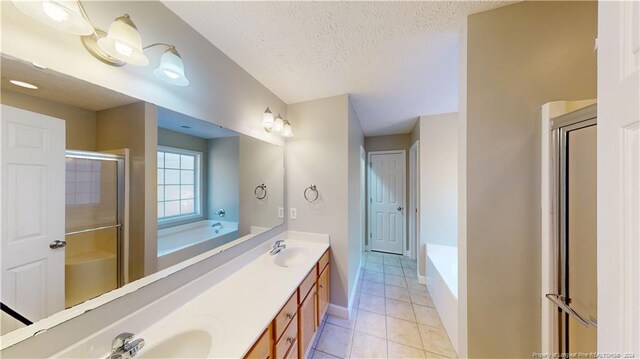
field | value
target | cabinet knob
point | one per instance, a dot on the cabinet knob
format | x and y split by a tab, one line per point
290	315
321	286
291	340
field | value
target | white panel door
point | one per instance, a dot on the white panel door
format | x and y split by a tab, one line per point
619	177
386	200
32	212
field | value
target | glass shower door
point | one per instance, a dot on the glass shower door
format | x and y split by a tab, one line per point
576	295
581	255
92	257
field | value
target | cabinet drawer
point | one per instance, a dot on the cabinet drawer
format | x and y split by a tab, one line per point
293	353
308	283
261	348
288	340
324	260
286	314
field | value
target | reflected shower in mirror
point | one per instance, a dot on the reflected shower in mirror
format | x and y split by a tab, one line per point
131	188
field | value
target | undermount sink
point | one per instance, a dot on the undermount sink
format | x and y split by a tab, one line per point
290	257
190	344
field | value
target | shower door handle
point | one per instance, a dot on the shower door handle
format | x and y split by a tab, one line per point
57	244
557	300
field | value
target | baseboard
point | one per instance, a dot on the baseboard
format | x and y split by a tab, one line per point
338	311
422	279
345	312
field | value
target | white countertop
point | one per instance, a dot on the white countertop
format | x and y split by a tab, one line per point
235	311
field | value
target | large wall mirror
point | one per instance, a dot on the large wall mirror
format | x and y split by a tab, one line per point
100	190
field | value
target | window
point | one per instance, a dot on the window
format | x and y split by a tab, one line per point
178	184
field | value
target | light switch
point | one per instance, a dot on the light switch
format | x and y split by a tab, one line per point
280	212
293	213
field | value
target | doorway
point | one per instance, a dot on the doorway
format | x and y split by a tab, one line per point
387	193
575	296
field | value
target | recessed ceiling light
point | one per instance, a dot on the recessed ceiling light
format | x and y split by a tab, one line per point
24	84
35	64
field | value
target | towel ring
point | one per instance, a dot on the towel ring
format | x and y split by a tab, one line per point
313	189
261	191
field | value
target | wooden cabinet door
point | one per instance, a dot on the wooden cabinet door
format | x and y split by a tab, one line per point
262	348
307	321
323	294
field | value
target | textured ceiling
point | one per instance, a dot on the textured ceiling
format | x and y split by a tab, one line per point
56	87
398	60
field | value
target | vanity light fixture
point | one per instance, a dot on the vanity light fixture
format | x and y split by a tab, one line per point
123	42
64	15
287	131
278	124
24	84
121	45
267	120
171	68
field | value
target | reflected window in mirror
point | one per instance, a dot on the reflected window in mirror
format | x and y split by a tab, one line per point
179	196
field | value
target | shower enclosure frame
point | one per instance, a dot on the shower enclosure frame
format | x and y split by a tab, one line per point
120	203
560	129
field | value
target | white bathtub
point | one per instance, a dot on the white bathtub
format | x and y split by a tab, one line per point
442	282
176	244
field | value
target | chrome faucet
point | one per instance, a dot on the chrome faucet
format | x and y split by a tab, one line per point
277	247
123	347
218	225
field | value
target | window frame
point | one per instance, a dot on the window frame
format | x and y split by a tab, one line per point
197	188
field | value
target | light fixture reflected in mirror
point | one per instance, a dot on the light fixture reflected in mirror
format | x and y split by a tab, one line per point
277	125
267	120
64	15
123	42
171	68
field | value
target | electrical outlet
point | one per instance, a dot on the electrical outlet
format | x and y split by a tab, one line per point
293	213
280	212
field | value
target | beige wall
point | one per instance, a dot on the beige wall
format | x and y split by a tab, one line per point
415	133
518	58
439	179
317	155
389	143
80	124
224	182
355	200
135	127
260	163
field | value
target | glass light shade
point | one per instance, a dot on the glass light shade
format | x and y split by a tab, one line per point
123	42
278	124
63	15
171	68
287	131
267	120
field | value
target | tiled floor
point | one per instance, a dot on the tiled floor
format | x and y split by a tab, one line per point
395	317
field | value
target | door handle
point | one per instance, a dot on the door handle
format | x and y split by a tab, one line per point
57	244
399	208
557	300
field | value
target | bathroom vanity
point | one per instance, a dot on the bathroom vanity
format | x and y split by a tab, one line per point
291	332
258	305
